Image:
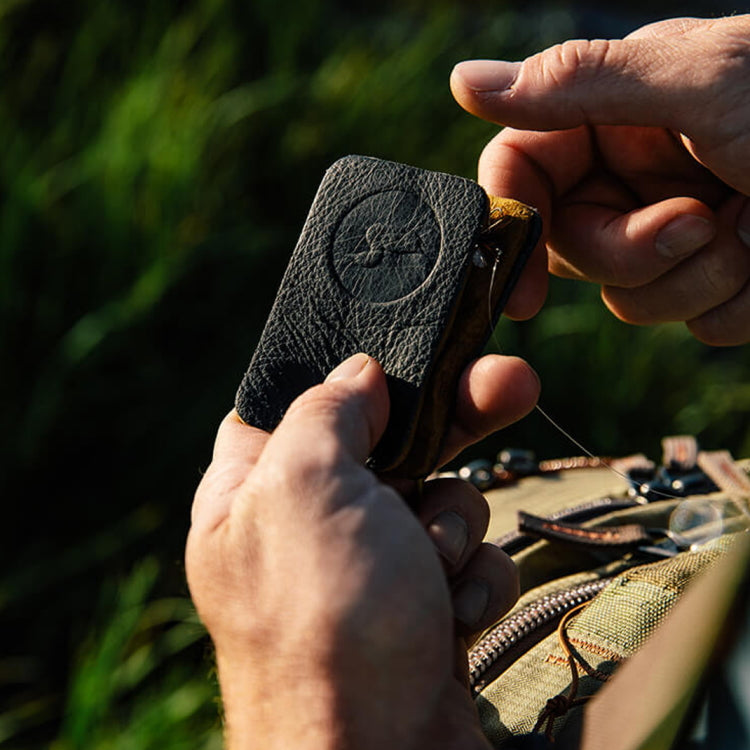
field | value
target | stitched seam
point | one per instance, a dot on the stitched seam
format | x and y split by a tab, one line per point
598	650
561	661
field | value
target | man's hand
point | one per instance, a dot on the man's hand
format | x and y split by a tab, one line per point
637	154
335	609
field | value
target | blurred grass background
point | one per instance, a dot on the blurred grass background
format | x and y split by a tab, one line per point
158	160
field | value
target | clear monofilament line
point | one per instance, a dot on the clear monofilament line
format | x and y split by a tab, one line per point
538	408
575	442
541	411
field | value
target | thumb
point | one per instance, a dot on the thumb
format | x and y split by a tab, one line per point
332	426
645	80
339	420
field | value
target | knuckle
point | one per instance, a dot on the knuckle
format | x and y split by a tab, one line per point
453	492
491	158
319	400
503	573
620	270
715	328
725	325
308	472
319	411
721	81
710	330
563	65
724	272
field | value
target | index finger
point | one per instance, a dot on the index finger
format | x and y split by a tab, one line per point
237	440
236	451
535	167
534	170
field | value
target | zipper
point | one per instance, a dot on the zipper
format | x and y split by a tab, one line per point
499	647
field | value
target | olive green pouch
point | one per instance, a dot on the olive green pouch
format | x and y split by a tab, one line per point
603	576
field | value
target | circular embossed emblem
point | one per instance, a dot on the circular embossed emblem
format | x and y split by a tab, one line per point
386	246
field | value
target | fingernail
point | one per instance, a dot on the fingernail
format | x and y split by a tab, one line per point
470	601
683	236
487	75
743	224
450	534
349	368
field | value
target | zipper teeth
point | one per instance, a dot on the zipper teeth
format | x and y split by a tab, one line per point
508	633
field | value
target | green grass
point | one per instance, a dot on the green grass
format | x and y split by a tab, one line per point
136	682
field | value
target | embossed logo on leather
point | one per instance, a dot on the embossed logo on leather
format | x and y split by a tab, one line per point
386	246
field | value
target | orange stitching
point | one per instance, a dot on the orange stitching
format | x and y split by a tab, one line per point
560	661
583	533
598	650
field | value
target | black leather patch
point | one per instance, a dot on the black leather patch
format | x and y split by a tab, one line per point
380	267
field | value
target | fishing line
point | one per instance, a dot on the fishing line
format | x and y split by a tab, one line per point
547	417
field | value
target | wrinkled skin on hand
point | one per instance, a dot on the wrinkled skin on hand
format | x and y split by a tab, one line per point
339	614
637	154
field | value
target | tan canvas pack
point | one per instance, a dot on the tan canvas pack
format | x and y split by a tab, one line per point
632	613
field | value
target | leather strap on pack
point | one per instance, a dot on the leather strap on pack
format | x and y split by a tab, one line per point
624	537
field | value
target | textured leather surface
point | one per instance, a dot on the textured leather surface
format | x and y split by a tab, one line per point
381	266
